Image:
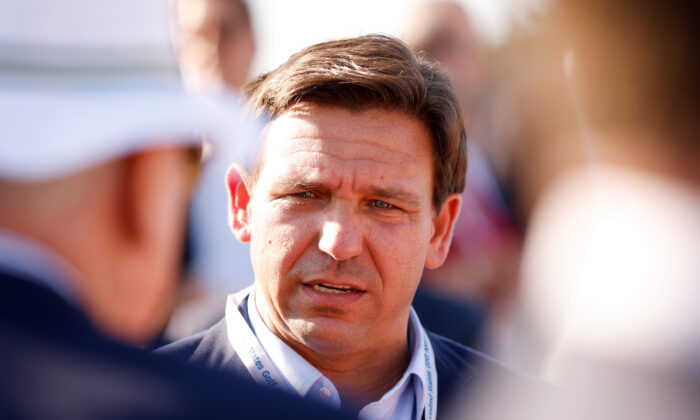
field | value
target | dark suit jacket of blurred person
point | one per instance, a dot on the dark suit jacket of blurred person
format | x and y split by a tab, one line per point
97	136
55	364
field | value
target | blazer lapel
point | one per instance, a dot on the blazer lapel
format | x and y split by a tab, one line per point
215	350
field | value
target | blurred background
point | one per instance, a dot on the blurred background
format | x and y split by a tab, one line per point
285	27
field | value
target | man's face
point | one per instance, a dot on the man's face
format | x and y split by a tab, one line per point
341	225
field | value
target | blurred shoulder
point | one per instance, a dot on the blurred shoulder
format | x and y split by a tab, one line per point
460	367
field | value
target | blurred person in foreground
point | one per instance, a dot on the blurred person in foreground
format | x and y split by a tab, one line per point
215	51
354	193
611	268
481	267
98	152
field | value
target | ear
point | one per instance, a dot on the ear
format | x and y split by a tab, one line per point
154	194
443	225
239	198
151	200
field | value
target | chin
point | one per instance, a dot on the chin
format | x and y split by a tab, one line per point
325	333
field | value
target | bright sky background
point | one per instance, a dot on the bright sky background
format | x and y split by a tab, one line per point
284	27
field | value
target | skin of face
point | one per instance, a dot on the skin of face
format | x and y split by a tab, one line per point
343	201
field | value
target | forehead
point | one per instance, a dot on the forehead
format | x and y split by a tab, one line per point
369	142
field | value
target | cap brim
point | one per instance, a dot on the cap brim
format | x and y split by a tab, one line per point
47	133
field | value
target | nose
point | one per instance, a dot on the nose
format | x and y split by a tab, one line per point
341	238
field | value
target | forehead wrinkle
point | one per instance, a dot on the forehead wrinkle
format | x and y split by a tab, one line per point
339	124
316	165
354	147
353	159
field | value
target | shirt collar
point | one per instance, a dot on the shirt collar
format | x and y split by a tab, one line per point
397	402
403	398
299	374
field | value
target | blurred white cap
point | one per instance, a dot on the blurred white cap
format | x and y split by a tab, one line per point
83	82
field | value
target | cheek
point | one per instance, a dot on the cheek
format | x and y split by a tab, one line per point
277	243
406	244
399	254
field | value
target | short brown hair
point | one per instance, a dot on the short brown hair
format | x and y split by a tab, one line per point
373	71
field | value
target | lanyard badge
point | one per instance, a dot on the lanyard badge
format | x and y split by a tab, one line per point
430	399
247	346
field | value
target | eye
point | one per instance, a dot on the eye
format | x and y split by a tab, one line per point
304	194
381	204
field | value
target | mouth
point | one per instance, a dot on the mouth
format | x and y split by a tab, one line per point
334	289
333	295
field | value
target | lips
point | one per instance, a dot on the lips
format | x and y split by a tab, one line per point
336	289
332	297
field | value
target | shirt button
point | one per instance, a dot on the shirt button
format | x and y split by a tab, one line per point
324	392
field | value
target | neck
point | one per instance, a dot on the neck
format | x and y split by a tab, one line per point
364	377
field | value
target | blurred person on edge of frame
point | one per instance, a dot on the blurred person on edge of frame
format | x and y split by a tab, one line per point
99	148
611	268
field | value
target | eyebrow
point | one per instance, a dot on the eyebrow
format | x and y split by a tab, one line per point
298	185
403	196
396	194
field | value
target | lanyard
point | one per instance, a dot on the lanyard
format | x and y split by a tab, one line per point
247	346
430	400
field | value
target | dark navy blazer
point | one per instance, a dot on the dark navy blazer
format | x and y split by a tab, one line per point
458	367
55	365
